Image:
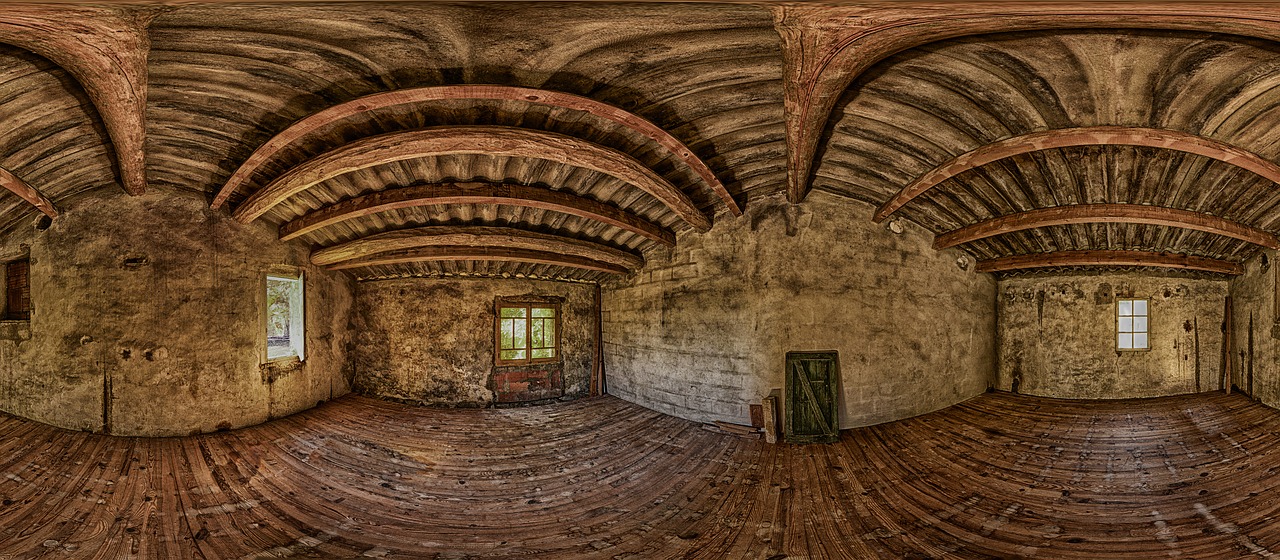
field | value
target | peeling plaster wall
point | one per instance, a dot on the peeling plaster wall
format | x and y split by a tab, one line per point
1057	335
1253	296
702	331
171	342
431	341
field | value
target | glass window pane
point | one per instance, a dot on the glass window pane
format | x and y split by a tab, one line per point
551	332
507	333
513	312
537	334
544	353
1125	342
513	354
544	312
1140	324
1126	324
1139	307
1126	307
1140	340
521	333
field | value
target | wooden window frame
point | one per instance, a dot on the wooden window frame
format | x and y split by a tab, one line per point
1147	316
298	308
24	294
528	305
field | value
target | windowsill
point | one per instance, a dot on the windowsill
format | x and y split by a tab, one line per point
277	368
15	329
534	365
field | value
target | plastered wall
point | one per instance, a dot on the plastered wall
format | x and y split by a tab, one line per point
432	341
1057	335
1255	364
702	331
148	320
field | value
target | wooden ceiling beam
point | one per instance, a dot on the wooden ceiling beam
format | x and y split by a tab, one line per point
476	193
19	187
329	116
474	236
428	254
105	50
499	141
827	48
1083	136
1110	258
1106	213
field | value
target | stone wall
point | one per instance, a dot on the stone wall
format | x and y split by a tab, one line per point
702	331
1057	335
1254	330
148	320
432	341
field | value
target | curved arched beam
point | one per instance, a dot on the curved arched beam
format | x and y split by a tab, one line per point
105	50
1110	258
481	140
1106	213
476	193
557	99
28	193
479	254
826	48
473	236
1084	136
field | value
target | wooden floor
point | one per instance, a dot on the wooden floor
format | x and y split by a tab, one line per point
999	476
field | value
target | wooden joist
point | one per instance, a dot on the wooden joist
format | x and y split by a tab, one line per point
105	49
28	193
476	193
1083	136
1106	213
328	117
1110	258
498	141
429	254
827	48
474	237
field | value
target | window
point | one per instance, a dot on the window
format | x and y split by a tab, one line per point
528	333
1131	328
17	291
285	317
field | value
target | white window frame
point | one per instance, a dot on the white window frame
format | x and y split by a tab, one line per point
297	317
1133	324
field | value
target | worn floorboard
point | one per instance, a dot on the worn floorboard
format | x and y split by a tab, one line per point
1000	476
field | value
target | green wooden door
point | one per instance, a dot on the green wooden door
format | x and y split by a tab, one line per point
811	413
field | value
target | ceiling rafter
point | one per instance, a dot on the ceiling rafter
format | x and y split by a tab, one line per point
1082	136
327	117
105	50
1106	213
481	140
507	194
1110	259
826	48
429	254
28	193
474	236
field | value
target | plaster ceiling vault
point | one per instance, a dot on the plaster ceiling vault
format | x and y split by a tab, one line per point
570	140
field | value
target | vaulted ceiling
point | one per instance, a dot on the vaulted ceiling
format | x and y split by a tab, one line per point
566	140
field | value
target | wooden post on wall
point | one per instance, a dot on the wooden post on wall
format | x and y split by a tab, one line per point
597	372
1225	375
1195	324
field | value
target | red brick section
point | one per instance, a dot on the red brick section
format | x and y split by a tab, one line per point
1084	136
528	385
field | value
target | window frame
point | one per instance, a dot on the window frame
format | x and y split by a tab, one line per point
529	305
298	346
1116	338
9	314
